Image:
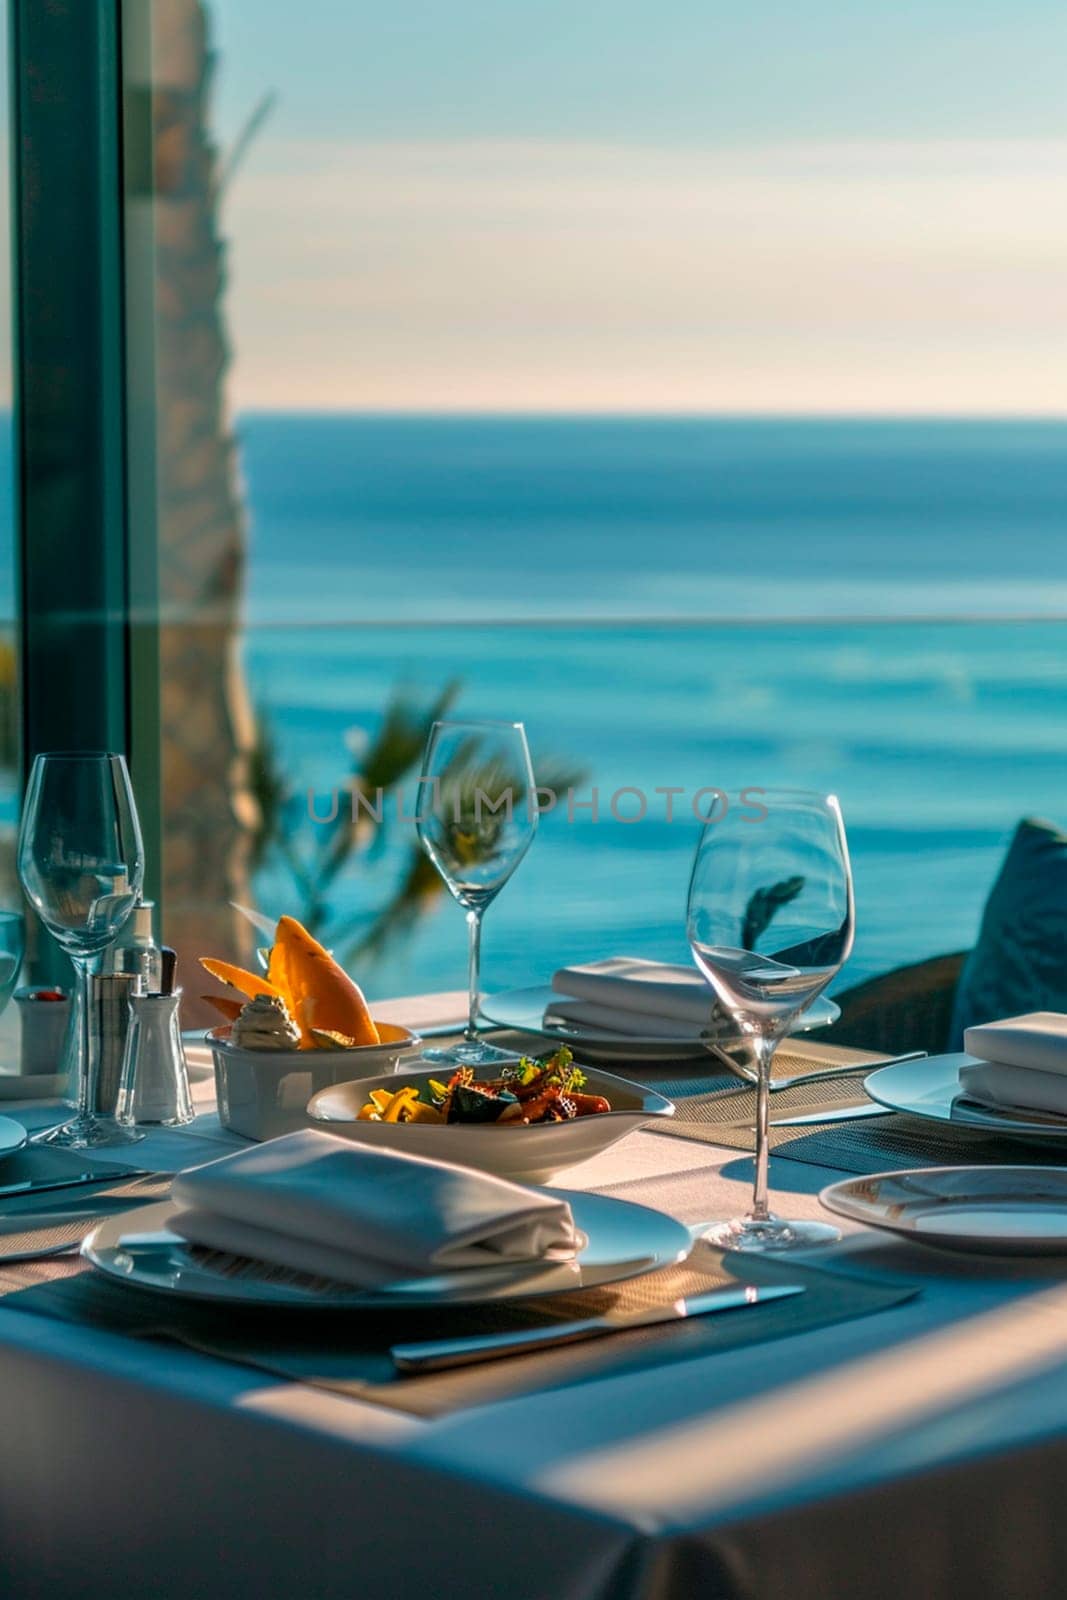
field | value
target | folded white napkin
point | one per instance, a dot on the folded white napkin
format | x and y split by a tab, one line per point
1022	1062
319	1204
624	1024
629	995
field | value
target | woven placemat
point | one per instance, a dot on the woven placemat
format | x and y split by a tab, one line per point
723	1115
60	1219
348	1353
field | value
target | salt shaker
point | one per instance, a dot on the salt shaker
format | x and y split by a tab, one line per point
155	1078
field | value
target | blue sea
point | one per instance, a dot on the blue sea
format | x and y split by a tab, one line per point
878	608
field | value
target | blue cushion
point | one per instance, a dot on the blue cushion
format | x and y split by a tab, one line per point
1020	961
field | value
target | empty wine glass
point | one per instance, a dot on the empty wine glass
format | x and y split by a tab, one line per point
477	816
81	863
12	949
770	922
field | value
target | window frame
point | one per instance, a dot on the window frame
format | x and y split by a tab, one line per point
85	534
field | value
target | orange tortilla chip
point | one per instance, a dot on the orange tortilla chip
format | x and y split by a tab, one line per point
321	994
247	983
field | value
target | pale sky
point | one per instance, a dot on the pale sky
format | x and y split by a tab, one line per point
818	207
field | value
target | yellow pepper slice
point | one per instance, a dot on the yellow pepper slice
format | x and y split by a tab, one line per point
401	1101
424	1113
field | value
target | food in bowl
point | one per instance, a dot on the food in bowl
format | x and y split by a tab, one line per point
306	1000
264	1023
301	1027
531	1152
263	1093
530	1092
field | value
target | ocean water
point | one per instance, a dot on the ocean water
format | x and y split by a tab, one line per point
877	608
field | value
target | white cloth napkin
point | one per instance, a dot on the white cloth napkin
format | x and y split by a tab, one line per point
323	1205
631	996
1022	1062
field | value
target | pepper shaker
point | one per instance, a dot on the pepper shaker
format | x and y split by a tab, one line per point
155	1078
110	996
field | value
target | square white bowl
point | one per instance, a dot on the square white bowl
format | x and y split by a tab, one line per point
264	1093
527	1154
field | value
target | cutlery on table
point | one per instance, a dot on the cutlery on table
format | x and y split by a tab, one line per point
31	1186
13	1225
832	1114
42	1254
435	1355
850	1069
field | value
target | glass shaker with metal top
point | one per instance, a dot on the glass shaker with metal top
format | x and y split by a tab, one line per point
135	950
155	1078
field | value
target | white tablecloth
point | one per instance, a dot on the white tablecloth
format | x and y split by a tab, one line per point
918	1452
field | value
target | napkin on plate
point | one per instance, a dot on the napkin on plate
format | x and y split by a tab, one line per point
323	1205
631	996
1022	1062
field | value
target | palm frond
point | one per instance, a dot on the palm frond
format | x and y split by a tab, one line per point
763	906
269	788
419	890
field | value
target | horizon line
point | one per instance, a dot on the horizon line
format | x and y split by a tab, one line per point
543	414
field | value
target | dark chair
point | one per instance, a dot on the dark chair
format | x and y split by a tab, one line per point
907	1009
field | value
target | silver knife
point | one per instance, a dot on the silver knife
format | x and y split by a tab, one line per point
29	1222
434	1355
30	1186
832	1114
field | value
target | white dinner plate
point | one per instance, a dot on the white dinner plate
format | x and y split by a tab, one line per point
930	1088
530	1011
622	1241
1003	1210
13	1136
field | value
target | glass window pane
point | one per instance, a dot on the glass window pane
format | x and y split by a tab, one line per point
683	387
10	893
8	677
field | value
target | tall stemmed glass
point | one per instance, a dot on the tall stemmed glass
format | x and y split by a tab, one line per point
81	862
477	815
12	950
770	923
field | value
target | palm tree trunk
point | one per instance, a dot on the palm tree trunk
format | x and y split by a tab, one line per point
207	728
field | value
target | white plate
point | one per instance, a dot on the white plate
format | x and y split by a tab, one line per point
530	1011
1003	1210
930	1088
526	1155
622	1241
13	1136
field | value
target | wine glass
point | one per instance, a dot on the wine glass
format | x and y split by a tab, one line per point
770	922
81	863
476	818
12	949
